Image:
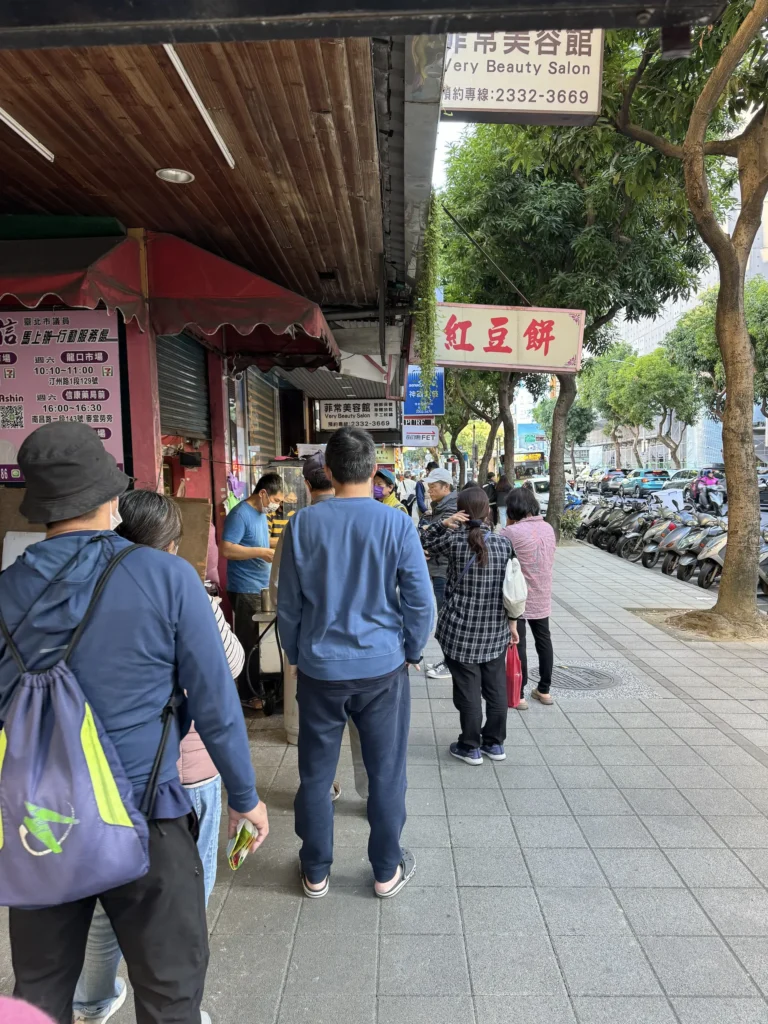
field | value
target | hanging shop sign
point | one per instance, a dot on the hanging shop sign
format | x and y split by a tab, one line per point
61	365
420	437
545	77
509	338
419	421
414	405
373	414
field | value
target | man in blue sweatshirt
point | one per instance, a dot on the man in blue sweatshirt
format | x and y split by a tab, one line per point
355	611
151	631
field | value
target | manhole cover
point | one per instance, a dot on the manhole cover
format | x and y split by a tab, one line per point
576	677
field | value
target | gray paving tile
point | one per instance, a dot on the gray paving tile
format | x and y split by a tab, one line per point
547	831
351	910
426	754
522	1010
612	965
597	801
638	869
753	954
721	1011
697	776
308	1008
498	968
423	776
533	801
562	756
423	1009
500	911
582	777
701	966
434	866
346	965
611	832
711	868
425	801
756	861
474	803
488	867
534	777
556	738
729	755
663	912
718	801
636	720
654	737
483	831
570	911
456	775
564	867
617	737
638	777
673	756
736	911
627	1010
746	832
625	755
672	831
521	755
658	801
426	830
421	911
422	965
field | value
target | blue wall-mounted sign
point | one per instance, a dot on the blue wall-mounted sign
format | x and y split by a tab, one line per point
413	406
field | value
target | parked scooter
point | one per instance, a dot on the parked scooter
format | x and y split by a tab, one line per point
630	545
711	559
606	509
694	544
609	532
762	567
674	545
668	521
591	511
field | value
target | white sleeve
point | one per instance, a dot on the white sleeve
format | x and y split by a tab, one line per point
232	646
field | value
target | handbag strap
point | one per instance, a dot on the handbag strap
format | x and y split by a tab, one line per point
467	566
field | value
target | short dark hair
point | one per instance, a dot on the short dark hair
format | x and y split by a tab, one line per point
521	502
150	518
431	466
351	455
317	480
272	483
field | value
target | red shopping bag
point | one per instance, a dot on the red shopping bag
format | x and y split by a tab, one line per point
514	676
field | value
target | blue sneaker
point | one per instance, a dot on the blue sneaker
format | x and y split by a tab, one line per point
495	751
469	755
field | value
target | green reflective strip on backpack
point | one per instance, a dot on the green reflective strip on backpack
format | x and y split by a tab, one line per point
111	807
3	748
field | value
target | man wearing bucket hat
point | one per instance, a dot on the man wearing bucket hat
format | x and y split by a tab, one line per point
149	627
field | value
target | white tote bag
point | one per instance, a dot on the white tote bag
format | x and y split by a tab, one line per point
515	589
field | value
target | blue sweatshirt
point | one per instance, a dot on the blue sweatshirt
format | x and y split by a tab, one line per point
339	611
152	627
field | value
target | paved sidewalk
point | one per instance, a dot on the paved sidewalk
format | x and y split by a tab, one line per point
613	869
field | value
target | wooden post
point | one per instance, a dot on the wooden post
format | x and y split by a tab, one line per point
141	357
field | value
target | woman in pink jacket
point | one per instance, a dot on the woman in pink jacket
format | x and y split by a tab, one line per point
534	544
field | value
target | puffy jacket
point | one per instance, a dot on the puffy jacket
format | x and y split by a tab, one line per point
438	564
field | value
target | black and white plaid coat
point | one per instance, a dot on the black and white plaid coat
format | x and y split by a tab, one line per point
473	625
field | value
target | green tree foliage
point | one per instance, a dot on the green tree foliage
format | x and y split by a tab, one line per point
578	426
692	345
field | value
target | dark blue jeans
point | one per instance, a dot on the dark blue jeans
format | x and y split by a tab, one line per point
381	710
438	585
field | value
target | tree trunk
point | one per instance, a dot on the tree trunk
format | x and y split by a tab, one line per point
565	400
635	432
507	385
736	598
573	461
482	471
617	446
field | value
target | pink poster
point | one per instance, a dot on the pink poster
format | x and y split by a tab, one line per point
59	365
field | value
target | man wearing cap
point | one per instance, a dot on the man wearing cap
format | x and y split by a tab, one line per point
439	485
151	630
385	489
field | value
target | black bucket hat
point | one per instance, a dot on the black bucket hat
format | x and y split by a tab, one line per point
67	472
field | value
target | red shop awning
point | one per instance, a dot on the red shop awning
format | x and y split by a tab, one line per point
77	272
262	323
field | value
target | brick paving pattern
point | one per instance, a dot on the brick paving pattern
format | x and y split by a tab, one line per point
614	868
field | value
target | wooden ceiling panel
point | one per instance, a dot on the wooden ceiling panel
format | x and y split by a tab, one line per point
298	116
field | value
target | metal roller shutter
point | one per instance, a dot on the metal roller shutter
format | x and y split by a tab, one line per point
262	421
182	376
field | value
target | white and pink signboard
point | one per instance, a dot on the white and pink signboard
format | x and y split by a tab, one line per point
61	365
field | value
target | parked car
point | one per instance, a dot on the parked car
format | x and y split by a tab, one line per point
610	481
640	482
583	477
679	479
592	483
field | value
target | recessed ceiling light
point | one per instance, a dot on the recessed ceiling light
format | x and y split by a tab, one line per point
22	132
175	175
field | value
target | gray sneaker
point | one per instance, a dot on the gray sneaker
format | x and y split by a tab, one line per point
439	671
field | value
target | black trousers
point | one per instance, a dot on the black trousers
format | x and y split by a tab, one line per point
381	710
471	685
159	921
546	655
244	607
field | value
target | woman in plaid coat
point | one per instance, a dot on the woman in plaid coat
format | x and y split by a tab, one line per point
473	628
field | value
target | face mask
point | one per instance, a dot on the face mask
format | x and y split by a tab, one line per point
114	517
378	492
273	506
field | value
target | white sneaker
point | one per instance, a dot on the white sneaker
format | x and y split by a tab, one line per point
114	1007
204	1018
439	671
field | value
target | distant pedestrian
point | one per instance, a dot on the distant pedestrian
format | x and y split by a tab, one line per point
473	628
535	544
385	489
408	496
422	498
443	500
354	612
503	487
490	490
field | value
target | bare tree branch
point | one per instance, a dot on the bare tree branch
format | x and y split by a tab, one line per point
601	321
470	405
